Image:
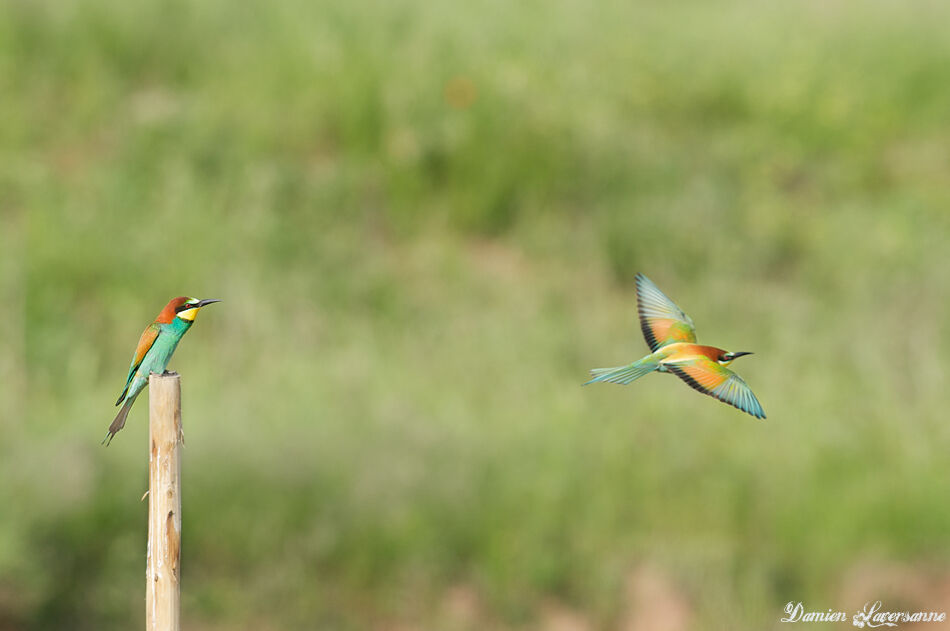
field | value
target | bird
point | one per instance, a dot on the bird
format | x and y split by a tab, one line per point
155	348
671	336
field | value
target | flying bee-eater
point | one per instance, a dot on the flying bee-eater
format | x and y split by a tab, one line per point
155	348
671	335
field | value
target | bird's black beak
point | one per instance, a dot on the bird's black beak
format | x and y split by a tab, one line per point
202	303
740	354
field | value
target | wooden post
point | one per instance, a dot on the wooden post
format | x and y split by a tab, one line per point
162	593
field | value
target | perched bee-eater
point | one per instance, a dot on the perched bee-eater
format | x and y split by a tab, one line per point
155	348
671	336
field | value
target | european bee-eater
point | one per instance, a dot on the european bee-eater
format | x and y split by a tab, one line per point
671	336
155	348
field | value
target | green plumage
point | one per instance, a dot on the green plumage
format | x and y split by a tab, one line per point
155	360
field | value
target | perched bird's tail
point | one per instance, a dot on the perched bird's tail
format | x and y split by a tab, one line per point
623	374
119	421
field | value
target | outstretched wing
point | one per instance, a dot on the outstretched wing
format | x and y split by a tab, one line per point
661	321
145	342
710	378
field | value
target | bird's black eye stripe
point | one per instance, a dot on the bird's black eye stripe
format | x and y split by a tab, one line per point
184	307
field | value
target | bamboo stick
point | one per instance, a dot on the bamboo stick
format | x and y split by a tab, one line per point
163	596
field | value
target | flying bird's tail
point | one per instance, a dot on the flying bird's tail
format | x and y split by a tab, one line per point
623	374
119	421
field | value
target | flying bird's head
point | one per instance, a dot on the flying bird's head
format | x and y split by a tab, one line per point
182	307
726	356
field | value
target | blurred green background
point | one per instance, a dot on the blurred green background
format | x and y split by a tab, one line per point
424	220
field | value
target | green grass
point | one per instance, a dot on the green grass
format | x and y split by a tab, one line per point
424	222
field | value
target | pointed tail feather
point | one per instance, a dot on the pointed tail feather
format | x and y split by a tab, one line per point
623	374
118	423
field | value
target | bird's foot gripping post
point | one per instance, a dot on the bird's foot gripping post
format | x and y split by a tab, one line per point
162	600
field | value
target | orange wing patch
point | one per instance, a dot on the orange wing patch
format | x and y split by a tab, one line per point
662	331
148	338
704	374
149	335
